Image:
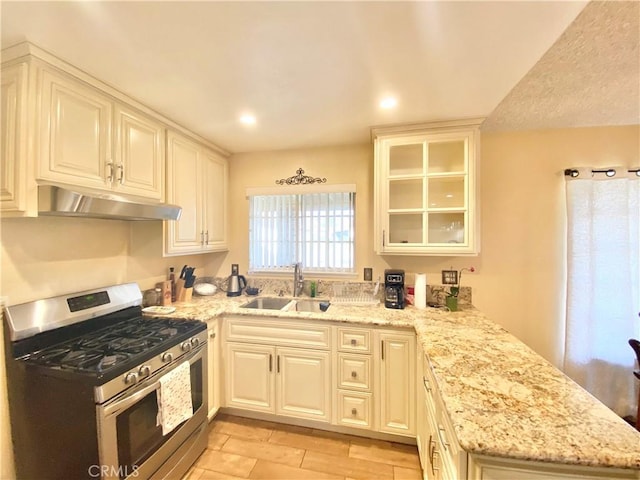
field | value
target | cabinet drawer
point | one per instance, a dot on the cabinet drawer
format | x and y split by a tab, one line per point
354	409
354	372
354	340
272	332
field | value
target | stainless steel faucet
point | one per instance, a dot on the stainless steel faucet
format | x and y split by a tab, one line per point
298	279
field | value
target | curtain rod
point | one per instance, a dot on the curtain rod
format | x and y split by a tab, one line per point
609	172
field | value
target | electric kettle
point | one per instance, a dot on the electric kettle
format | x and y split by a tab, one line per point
235	283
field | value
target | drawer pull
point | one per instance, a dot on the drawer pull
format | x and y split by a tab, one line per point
354	374
270	362
354	412
353	342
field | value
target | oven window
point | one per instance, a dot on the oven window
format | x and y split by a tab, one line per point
139	436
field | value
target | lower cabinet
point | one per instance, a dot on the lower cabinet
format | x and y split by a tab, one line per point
493	468
278	367
397	388
285	381
213	367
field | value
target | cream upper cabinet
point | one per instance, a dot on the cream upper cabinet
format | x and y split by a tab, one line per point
396	389
425	189
139	159
197	180
13	138
89	140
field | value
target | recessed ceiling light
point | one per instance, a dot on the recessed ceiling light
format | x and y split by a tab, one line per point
247	119
388	103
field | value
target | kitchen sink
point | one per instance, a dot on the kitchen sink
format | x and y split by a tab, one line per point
310	306
268	303
287	304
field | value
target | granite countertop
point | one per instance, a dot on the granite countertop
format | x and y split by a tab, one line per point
503	399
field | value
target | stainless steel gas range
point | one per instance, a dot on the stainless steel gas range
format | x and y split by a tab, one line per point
94	388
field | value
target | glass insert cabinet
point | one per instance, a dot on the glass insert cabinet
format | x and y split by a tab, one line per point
425	188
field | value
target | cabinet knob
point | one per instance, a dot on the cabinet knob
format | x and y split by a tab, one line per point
354	374
354	411
354	342
212	335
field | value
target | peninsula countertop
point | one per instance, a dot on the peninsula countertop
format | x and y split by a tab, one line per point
503	399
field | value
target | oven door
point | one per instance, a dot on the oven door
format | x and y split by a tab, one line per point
130	441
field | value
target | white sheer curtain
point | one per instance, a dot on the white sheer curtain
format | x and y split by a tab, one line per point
603	290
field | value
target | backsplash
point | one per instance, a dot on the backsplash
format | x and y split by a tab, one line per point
332	288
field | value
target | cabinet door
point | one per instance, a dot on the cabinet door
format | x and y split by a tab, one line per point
214	369
139	159
250	377
184	188
76	133
425	190
304	383
13	139
397	383
215	173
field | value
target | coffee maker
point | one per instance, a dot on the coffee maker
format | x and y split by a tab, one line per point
235	282
394	288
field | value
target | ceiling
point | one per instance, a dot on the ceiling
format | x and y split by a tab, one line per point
313	73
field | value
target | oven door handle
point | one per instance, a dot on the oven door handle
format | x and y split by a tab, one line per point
128	398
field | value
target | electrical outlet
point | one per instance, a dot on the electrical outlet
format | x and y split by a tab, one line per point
449	277
368	274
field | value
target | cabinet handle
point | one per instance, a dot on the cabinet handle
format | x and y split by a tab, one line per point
383	233
212	335
354	374
425	382
278	363
270	362
382	348
110	174
206	237
443	438
432	455
120	167
202	238
353	342
354	412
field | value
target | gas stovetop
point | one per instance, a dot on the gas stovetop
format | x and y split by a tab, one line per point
96	335
124	344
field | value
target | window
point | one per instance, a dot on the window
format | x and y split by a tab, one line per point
603	287
314	228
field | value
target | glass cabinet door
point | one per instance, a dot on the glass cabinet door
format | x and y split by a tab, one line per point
425	192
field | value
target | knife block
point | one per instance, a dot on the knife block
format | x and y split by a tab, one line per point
186	294
180	289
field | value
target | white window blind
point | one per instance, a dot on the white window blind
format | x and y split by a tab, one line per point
316	229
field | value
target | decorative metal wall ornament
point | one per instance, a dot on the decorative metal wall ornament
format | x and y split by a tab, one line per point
300	179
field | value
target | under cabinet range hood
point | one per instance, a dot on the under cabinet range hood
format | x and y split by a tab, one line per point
60	201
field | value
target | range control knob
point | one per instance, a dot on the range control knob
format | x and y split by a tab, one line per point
167	357
185	346
195	342
131	378
145	371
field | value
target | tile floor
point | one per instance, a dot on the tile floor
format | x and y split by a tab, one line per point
244	448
